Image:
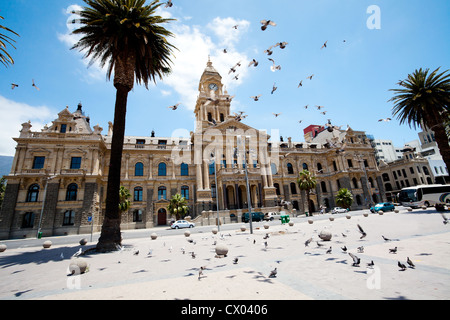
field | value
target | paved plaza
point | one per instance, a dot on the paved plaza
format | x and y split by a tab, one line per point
161	271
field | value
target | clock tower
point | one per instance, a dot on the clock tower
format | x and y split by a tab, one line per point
213	102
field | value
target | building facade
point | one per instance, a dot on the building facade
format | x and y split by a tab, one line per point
58	178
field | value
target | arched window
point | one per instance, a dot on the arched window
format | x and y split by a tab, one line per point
274	169
319	168
139	169
323	185
305	166
162	169
162	193
69	218
33	193
72	190
277	187
185	192
293	188
290	168
138	193
184	170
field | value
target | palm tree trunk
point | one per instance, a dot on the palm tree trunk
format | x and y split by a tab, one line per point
442	141
110	237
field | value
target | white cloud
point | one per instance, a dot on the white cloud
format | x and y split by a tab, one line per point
16	113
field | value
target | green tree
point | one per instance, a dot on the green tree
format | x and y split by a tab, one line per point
5	57
424	101
128	37
344	198
306	182
178	206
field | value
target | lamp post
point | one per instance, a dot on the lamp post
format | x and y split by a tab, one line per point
213	155
43	204
249	203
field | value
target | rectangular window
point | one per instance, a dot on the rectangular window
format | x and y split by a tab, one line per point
63	128
75	163
38	162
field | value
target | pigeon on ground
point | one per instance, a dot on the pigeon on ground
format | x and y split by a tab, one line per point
371	264
445	218
329	250
273	273
344	248
401	266
307	242
361	249
200	272
356	260
77	254
411	264
136	252
393	250
235	261
363	234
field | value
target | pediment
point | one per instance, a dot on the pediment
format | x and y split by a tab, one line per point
65	114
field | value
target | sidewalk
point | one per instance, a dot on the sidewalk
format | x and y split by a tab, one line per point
303	272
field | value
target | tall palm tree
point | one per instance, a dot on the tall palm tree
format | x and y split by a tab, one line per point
306	182
5	58
178	206
424	101
127	36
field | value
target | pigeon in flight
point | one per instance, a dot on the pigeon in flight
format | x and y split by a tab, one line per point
401	266
324	45
235	27
300	84
277	115
266	23
34	85
13	86
274	67
174	107
273	273
253	63
282	45
256	98
411	264
233	69
274	88
363	234
356	260
310	77
269	51
169	4
385	120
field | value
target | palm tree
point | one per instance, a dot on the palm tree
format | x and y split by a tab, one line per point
424	101
344	198
5	58
126	35
124	202
178	206
306	182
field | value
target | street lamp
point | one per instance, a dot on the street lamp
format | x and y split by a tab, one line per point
249	203
213	155
43	204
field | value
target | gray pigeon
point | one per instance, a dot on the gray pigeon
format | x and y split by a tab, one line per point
273	273
356	260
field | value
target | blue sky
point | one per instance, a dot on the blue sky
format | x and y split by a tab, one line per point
351	79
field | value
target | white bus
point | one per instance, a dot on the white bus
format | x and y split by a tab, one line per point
424	195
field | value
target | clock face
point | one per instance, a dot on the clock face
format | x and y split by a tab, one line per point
213	86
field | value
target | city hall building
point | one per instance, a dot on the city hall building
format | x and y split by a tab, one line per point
59	174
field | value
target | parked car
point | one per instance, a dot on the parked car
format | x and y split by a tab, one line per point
256	216
180	224
383	206
270	216
338	210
